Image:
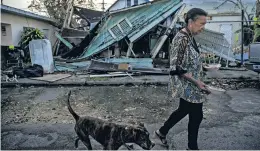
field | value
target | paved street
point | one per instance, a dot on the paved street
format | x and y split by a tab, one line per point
231	121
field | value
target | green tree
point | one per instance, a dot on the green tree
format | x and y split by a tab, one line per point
56	9
257	25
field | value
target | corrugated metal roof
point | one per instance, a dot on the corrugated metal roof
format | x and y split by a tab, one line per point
140	20
215	42
12	10
89	14
134	62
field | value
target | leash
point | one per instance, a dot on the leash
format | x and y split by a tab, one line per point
129	148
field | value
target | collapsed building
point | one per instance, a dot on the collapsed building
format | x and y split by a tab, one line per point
139	35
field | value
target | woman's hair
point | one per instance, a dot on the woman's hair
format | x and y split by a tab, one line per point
194	13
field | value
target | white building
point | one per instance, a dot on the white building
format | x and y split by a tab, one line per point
14	21
120	4
217	17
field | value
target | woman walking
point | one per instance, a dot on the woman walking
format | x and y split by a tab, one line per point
186	75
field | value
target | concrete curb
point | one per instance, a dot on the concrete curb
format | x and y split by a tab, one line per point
87	84
106	83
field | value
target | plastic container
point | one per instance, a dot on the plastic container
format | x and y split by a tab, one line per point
41	54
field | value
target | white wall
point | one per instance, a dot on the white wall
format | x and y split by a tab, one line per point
18	22
123	4
235	26
216	26
227	8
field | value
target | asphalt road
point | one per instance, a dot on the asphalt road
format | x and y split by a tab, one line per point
231	122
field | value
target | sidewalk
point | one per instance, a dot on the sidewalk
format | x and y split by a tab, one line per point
85	80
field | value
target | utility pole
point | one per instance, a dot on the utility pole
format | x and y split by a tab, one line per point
257	8
103	5
242	37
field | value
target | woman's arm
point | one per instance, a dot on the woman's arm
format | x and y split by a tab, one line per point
180	70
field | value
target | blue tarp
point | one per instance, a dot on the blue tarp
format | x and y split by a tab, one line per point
245	56
135	62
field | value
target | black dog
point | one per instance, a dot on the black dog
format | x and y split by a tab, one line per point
110	135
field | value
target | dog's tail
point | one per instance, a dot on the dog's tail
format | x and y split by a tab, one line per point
75	115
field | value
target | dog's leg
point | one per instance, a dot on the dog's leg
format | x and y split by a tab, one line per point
86	142
84	137
111	146
77	142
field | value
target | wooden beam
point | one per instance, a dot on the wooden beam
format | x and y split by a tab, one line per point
70	3
163	38
130	49
65	42
71	13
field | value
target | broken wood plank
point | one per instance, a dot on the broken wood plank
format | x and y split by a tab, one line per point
70	16
69	45
102	66
52	77
109	75
130	49
73	33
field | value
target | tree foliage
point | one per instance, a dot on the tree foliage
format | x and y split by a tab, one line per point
257	25
56	9
258	8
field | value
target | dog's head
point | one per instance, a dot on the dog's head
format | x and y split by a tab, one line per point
142	137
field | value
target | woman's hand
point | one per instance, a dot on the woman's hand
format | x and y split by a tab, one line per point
203	87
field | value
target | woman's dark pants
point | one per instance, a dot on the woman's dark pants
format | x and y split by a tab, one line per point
195	117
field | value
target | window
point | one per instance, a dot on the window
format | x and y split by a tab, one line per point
125	25
135	2
3	30
128	3
120	29
116	31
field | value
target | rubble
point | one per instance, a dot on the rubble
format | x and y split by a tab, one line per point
229	84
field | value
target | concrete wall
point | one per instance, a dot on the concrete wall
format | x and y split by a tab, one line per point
123	4
17	24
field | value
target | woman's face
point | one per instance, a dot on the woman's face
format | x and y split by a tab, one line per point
198	25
